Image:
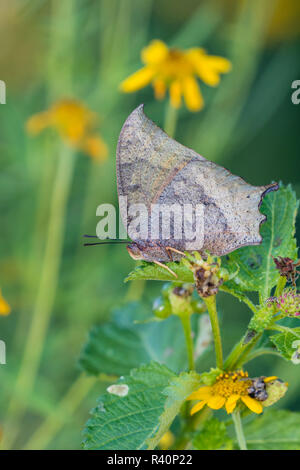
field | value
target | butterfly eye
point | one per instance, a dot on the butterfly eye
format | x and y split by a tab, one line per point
134	251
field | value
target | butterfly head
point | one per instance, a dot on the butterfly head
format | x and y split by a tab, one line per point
134	251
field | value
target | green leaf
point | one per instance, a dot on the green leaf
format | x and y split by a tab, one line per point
151	271
209	378
212	436
287	342
257	269
112	350
151	398
274	430
121	345
178	390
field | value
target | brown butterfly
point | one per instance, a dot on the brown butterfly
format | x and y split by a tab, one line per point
153	169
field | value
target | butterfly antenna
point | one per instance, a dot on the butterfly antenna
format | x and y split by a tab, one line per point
116	242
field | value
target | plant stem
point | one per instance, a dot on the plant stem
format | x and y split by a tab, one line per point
48	281
284	329
236	418
260	352
213	315
171	116
186	324
240	351
135	290
280	286
241	297
64	411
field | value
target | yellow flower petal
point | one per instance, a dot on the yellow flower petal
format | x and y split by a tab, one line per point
192	94
198	407
137	80
219	64
231	403
175	94
252	404
95	147
209	67
216	402
270	379
200	394
38	122
159	89
72	119
4	306
155	53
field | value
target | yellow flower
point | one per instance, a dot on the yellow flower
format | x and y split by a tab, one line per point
228	389
4	306
176	70
166	441
75	124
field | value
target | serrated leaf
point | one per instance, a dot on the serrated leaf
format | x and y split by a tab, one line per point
287	342
274	430
127	422
121	345
112	350
209	378
212	436
176	392
257	269
153	272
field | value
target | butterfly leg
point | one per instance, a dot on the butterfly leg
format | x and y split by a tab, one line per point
170	248
166	267
169	253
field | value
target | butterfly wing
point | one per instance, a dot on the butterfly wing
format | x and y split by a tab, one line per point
152	168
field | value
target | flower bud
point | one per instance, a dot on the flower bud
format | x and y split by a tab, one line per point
275	390
161	308
289	303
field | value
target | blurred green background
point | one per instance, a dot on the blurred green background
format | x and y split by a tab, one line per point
83	49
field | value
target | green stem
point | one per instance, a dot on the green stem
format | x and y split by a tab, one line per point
236	418
62	414
280	286
48	281
241	297
171	116
186	324
284	329
260	352
135	290
213	315
240	351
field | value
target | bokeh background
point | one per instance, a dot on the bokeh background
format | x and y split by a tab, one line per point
83	49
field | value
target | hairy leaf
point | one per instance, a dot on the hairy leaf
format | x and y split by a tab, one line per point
212	436
287	343
112	350
178	390
151	271
121	345
274	430
257	269
136	413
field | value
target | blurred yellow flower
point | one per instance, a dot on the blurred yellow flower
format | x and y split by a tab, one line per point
176	70
4	306
227	391
75	123
166	441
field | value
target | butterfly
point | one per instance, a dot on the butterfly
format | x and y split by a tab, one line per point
154	170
